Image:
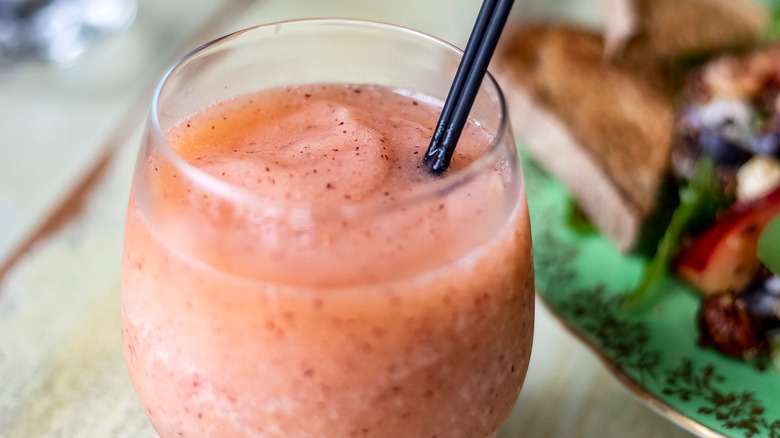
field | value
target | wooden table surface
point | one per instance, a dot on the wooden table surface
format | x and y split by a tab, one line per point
68	139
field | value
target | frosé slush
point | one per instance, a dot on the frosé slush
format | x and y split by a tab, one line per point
290	271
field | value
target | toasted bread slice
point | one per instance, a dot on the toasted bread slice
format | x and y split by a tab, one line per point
602	128
667	29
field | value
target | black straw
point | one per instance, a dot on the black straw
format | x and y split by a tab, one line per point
473	66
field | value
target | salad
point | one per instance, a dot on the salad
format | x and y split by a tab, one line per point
723	238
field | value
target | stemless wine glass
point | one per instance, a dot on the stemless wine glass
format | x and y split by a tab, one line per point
250	315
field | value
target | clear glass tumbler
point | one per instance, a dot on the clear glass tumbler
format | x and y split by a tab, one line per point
246	315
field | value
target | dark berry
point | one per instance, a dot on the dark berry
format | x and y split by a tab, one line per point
722	151
762	299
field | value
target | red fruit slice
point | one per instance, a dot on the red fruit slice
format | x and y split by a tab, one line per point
724	258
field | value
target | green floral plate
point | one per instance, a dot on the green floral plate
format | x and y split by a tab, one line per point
581	277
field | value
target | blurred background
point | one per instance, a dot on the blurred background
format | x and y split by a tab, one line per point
76	78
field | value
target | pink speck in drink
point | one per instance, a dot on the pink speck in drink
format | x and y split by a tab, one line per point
291	271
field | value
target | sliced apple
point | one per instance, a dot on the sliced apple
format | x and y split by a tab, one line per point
724	257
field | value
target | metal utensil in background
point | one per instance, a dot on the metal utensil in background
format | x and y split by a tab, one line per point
58	31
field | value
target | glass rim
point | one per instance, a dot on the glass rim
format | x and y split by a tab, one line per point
447	182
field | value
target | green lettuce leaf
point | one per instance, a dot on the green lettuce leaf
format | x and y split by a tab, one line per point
700	200
772	30
769	245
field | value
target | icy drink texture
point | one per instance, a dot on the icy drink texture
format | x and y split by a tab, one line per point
293	272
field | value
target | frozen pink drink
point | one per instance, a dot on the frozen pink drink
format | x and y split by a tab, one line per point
290	271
